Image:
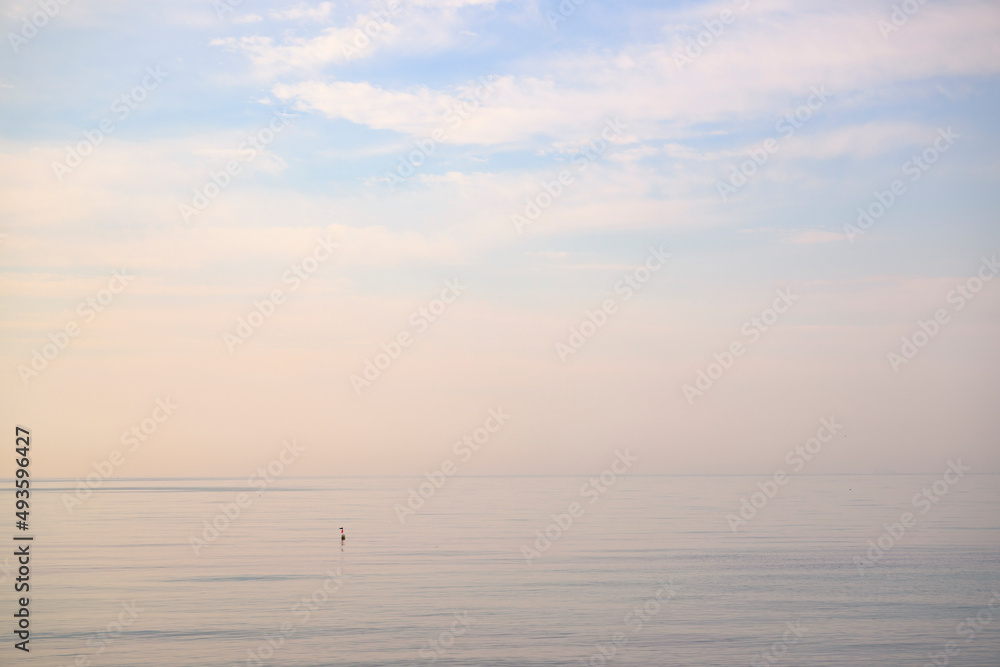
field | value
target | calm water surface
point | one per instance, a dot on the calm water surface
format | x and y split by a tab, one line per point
452	586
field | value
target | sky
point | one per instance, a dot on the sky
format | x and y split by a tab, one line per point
691	230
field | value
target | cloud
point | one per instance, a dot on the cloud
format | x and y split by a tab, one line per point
548	254
806	236
643	83
858	141
410	111
303	11
414	26
485	111
797	236
454	4
334	45
208	248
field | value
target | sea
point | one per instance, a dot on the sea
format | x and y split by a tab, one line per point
521	571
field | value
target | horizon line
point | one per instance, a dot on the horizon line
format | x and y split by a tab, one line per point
829	474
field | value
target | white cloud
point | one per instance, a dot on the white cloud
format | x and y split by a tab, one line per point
267	249
453	4
334	45
303	11
411	111
411	27
843	51
806	236
859	141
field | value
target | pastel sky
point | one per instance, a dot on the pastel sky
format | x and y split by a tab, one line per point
418	137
